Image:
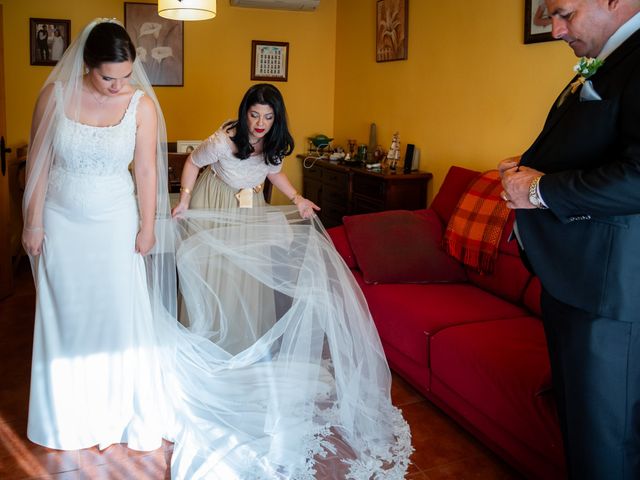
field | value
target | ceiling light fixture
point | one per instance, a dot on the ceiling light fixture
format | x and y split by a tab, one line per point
187	9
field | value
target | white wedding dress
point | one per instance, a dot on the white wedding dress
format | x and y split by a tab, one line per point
308	399
96	373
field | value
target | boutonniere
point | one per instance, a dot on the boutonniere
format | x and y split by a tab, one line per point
586	67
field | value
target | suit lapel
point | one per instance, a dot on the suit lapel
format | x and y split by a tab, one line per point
556	113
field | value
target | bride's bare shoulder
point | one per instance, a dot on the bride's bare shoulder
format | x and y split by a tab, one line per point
146	113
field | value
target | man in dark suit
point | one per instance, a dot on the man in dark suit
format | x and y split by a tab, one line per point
577	195
43	47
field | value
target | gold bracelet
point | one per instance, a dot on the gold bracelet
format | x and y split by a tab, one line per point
185	190
32	229
296	198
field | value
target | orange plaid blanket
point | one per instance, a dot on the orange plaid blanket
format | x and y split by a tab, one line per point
473	233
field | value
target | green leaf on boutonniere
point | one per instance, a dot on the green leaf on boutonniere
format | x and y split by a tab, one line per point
587	67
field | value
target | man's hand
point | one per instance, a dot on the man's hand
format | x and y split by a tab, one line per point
516	181
508	164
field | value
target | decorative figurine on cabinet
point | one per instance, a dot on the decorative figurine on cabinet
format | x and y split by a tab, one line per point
394	152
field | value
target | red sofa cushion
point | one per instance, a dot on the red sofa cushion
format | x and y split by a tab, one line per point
510	380
400	246
454	185
405	313
508	280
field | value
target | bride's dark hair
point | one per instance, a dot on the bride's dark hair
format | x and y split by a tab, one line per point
108	42
278	143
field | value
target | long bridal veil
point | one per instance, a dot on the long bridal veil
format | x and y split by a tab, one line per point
280	373
309	398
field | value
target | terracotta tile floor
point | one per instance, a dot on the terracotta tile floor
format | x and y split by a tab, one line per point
442	449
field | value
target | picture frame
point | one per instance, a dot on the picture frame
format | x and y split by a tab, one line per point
48	39
159	43
187	146
392	36
537	22
269	61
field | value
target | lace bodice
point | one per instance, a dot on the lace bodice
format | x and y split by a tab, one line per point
216	151
87	150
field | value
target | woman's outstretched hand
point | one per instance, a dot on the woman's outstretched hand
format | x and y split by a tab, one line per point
183	206
306	207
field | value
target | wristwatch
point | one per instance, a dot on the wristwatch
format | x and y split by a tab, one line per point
534	197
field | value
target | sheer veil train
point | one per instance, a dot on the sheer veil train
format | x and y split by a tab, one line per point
308	394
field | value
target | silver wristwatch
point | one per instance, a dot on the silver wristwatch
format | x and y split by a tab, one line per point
534	197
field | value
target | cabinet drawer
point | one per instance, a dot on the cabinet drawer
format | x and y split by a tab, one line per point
368	186
311	189
314	172
336	179
334	194
331	214
365	204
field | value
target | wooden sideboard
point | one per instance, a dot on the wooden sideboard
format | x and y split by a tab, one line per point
340	189
176	162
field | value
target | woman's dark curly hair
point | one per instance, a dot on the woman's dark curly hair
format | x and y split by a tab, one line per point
278	142
108	42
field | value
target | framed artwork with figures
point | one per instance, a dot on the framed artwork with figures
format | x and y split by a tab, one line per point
159	43
48	39
537	22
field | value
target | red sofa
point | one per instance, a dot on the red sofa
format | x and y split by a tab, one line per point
475	347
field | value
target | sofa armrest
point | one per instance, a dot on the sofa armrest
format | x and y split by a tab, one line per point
339	238
454	185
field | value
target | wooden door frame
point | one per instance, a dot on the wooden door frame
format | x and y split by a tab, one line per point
6	270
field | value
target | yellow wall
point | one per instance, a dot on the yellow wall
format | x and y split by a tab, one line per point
470	92
216	68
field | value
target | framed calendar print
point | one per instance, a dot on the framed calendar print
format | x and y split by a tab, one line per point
269	61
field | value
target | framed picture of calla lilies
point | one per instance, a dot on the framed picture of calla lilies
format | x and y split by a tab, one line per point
392	21
159	43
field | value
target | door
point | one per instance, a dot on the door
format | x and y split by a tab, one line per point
6	271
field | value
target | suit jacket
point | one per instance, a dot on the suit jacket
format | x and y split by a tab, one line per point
586	247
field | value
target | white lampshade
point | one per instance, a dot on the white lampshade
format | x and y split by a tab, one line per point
187	9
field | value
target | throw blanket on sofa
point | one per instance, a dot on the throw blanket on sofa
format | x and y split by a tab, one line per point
474	229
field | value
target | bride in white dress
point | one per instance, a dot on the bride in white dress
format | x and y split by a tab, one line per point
91	282
308	399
